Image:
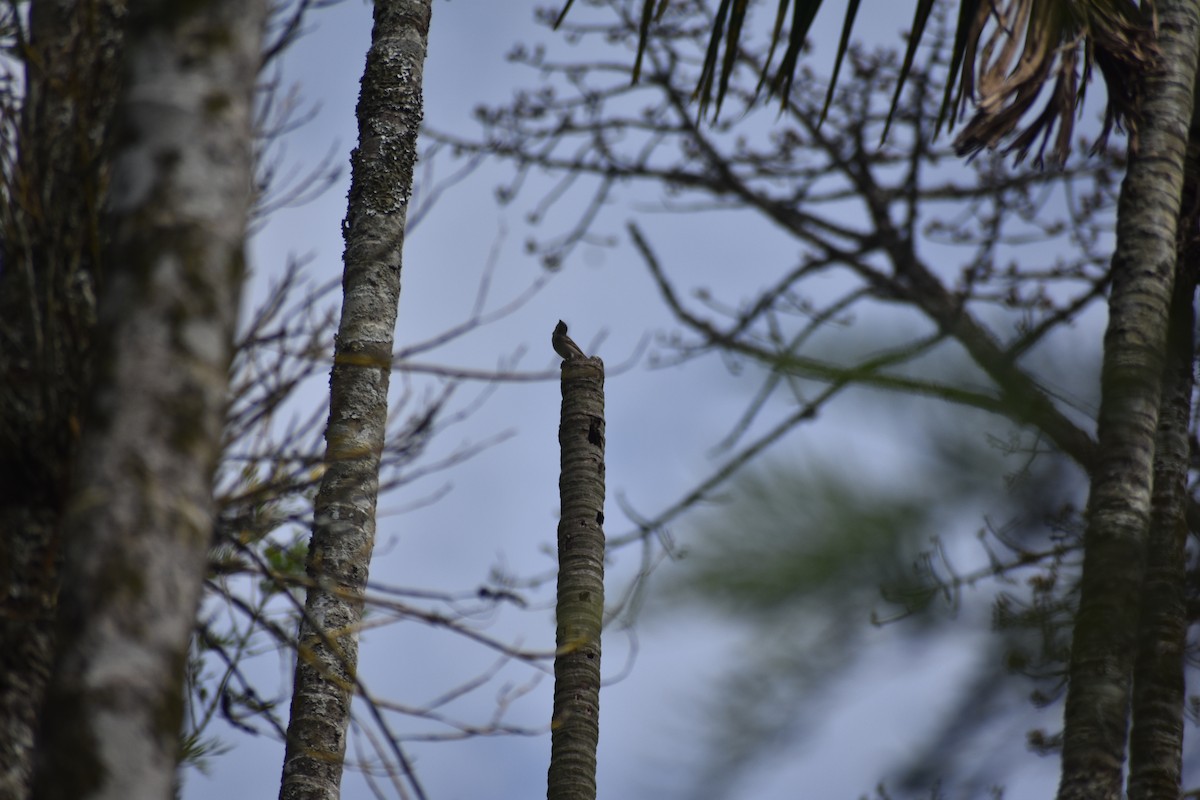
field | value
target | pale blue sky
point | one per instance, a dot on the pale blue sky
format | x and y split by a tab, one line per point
661	426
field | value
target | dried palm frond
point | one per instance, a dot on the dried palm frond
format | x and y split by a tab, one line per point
1029	43
1062	41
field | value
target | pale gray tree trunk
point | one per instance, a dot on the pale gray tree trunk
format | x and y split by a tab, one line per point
50	236
139	517
1105	635
343	537
575	724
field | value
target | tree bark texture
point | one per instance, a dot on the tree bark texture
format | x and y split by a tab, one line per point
1143	268
139	516
575	725
343	537
50	238
1156	740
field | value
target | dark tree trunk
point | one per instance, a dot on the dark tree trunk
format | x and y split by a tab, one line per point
1143	272
50	244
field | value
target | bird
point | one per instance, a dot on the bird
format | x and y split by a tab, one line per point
562	343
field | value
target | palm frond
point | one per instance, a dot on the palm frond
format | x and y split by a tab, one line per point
1062	41
1028	45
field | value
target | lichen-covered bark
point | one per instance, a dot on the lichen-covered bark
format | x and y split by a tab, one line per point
389	116
1156	740
139	515
1105	635
49	243
575	724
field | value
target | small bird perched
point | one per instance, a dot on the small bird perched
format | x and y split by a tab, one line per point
562	343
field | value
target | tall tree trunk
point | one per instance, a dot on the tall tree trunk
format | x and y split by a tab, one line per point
343	537
139	517
1156	741
1105	635
575	724
50	238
